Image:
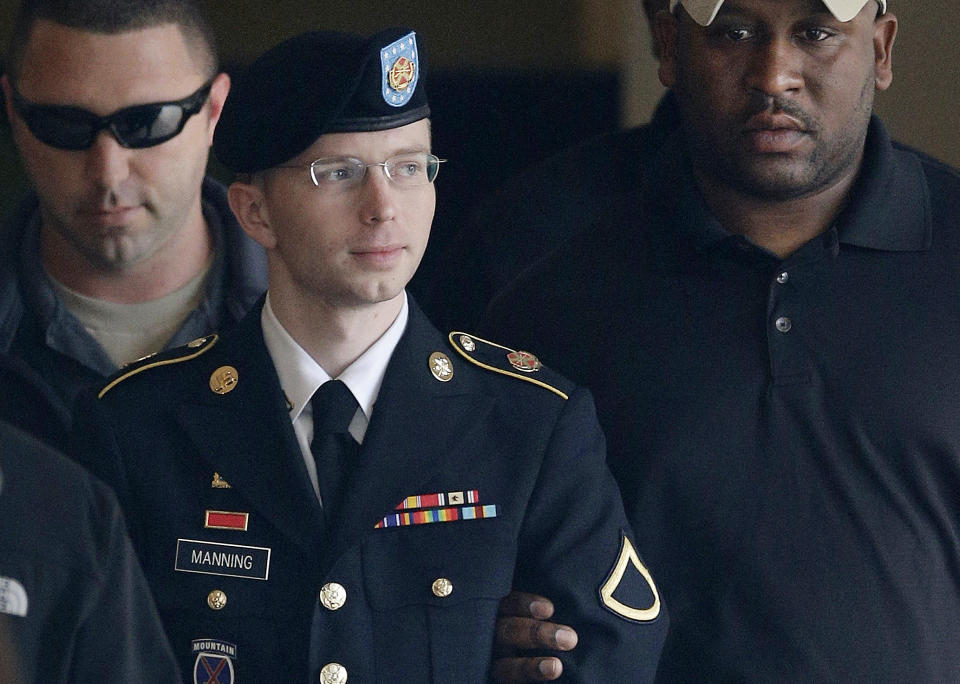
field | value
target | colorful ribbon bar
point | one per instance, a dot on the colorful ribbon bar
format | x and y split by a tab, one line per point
440	499
438	515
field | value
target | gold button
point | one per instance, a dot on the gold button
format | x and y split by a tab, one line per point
333	673
442	587
216	599
467	343
333	596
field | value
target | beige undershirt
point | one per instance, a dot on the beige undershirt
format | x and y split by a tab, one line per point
130	331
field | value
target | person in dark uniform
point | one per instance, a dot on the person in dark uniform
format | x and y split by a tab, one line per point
336	489
74	605
772	344
123	247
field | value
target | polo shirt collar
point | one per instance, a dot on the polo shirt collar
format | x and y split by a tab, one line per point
890	202
889	205
679	197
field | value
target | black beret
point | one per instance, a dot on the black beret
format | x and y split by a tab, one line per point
320	82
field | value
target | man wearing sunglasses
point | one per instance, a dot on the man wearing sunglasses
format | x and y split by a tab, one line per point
334	490
124	247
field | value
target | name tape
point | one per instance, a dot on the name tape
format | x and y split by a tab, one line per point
226	560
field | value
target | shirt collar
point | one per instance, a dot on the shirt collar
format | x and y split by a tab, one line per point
300	375
60	330
889	206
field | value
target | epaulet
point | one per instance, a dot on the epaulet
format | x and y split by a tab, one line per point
189	351
496	358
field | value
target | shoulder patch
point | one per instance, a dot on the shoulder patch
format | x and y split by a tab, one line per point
629	587
189	351
505	361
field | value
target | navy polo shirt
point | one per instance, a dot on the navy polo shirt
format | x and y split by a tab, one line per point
786	433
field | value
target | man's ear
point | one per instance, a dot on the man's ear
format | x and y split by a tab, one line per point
219	90
249	206
884	35
665	29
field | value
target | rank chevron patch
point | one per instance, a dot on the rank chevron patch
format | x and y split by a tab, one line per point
630	582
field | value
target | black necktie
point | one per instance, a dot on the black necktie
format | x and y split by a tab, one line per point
334	449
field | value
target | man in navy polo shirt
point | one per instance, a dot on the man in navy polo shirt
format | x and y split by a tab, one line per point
772	319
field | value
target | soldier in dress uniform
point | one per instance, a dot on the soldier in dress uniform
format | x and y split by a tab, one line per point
336	490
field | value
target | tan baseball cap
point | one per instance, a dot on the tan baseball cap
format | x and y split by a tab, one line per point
703	11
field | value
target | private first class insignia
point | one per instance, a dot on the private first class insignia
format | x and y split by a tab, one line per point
399	65
630	587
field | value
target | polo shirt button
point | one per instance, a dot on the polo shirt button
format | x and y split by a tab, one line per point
784	324
333	596
783	278
333	673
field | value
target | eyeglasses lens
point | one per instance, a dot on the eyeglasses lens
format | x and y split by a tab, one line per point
148	125
416	168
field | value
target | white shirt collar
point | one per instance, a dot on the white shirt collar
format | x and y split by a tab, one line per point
300	375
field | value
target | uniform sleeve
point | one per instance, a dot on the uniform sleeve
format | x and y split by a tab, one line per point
120	638
577	549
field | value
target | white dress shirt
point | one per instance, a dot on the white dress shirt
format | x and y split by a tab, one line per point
301	376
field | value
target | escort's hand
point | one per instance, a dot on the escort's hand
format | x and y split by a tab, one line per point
521	624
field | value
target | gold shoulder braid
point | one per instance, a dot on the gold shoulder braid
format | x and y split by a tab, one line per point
187	352
503	360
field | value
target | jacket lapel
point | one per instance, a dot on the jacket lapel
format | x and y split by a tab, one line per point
416	425
247	437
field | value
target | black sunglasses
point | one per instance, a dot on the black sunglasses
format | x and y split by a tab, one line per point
146	125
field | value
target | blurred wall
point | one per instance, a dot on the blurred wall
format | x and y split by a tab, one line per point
922	107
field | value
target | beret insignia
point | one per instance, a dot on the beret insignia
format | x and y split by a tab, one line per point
400	67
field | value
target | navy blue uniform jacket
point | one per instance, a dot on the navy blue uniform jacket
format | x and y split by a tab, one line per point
160	435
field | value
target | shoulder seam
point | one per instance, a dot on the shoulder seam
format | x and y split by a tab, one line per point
461	352
212	340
